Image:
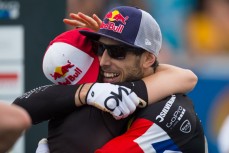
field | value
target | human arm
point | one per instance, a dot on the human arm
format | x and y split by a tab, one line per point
13	121
44	103
166	81
48	101
169	80
51	101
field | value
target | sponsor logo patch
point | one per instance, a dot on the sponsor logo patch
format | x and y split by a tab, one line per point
116	21
186	126
166	109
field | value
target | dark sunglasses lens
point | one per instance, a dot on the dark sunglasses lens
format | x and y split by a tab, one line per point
100	50
116	52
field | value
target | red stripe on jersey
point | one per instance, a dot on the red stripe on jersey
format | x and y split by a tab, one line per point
125	143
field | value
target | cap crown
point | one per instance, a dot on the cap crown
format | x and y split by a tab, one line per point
69	59
131	26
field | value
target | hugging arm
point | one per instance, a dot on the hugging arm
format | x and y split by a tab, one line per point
169	80
46	102
50	101
166	81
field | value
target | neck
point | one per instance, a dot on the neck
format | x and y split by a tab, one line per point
149	71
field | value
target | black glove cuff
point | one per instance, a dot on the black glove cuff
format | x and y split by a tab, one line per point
138	87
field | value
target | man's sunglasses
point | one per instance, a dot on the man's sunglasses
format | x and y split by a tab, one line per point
115	51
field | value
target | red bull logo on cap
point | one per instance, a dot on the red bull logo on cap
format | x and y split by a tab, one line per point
114	16
62	72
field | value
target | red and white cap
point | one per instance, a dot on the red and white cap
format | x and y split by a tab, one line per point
69	59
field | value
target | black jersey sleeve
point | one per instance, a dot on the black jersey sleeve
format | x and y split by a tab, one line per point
138	87
49	101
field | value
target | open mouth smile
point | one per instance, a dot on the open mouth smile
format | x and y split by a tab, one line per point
110	76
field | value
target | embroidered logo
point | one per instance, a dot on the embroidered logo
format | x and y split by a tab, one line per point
114	17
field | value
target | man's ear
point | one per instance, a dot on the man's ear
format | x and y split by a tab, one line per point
149	59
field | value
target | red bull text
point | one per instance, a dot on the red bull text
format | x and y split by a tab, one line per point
61	72
112	17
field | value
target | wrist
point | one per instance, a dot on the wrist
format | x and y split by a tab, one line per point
80	96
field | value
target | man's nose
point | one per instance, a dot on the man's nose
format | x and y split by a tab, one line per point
105	59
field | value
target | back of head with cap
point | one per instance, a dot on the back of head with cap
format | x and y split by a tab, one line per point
131	26
69	59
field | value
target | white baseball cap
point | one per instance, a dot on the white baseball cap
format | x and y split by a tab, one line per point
69	59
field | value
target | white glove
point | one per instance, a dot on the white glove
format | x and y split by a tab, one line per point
118	100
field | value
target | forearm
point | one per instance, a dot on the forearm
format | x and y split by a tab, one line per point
138	87
169	80
46	102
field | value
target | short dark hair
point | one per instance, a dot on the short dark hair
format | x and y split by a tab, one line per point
155	65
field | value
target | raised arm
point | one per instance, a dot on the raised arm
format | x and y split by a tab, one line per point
83	20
